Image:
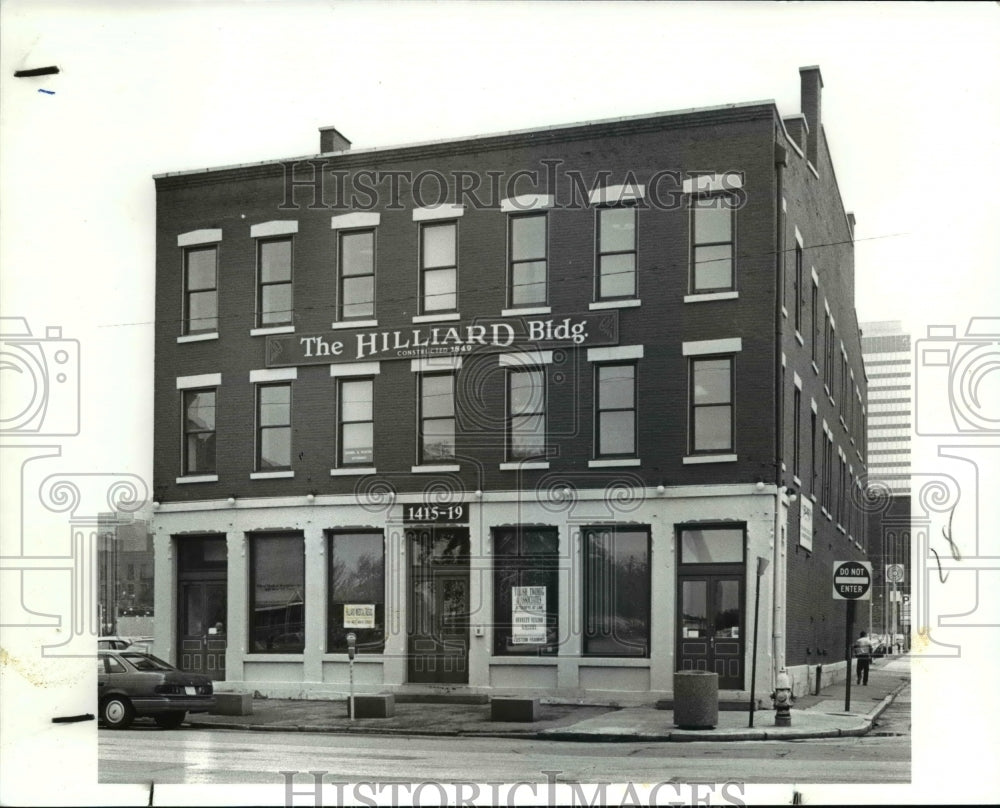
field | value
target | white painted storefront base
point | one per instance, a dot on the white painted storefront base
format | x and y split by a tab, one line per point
570	676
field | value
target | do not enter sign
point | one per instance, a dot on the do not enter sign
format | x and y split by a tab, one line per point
852	580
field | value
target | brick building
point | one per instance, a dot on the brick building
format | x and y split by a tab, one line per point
521	411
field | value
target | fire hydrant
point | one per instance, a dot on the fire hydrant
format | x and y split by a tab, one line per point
782	697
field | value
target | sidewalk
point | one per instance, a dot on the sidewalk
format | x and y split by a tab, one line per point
820	716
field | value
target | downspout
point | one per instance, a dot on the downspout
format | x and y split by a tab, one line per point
777	565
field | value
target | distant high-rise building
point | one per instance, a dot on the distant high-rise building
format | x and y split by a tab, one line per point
889	365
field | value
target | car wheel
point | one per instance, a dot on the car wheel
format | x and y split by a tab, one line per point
117	712
169	720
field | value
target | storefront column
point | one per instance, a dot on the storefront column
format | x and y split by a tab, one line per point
164	595
394	664
570	607
662	611
237	577
315	604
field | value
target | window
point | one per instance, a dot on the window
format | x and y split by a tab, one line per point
199	432
828	473
615	421
616	592
439	266
812	454
356	293
817	333
798	289
274	276
528	265
525	591
201	297
357	591
845	402
616	253
274	426
712	404
437	416
712	244
828	367
525	414
356	428
796	430
712	545
842	493
277	573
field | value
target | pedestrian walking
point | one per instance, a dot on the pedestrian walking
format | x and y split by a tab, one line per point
863	653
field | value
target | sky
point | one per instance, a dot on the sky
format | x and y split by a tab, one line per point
910	109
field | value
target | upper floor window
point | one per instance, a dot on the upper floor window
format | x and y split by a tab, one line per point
525	414
528	265
274	426
274	281
828	367
437	416
616	252
712	404
356	428
798	289
712	244
796	431
199	431
615	418
356	298
201	296
817	333
439	267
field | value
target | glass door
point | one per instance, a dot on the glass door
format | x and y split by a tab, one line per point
711	633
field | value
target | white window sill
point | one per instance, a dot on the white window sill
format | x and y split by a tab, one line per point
704	297
441	469
524	465
798	338
841	529
716	458
815	368
437	318
271	475
352	472
259	656
826	513
272	329
354	324
198	337
527	310
615	304
784	312
797	481
609	463
198	478
812	497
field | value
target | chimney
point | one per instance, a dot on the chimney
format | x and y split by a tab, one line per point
812	96
330	140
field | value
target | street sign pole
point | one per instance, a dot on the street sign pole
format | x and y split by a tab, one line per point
761	566
849	638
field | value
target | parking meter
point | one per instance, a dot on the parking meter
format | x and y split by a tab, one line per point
352	641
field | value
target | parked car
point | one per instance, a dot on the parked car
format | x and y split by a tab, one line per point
116	642
133	683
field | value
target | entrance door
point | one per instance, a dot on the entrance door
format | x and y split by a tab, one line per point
203	628
438	640
711	631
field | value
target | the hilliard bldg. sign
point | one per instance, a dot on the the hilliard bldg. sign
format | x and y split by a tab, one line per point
481	336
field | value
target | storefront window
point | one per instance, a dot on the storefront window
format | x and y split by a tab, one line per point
616	595
357	592
526	591
277	617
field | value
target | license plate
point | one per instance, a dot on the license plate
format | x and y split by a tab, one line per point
191	691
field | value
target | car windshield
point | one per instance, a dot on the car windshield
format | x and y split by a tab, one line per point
146	662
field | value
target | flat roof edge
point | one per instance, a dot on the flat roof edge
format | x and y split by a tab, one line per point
473	138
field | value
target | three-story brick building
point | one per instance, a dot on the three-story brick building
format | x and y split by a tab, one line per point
521	411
